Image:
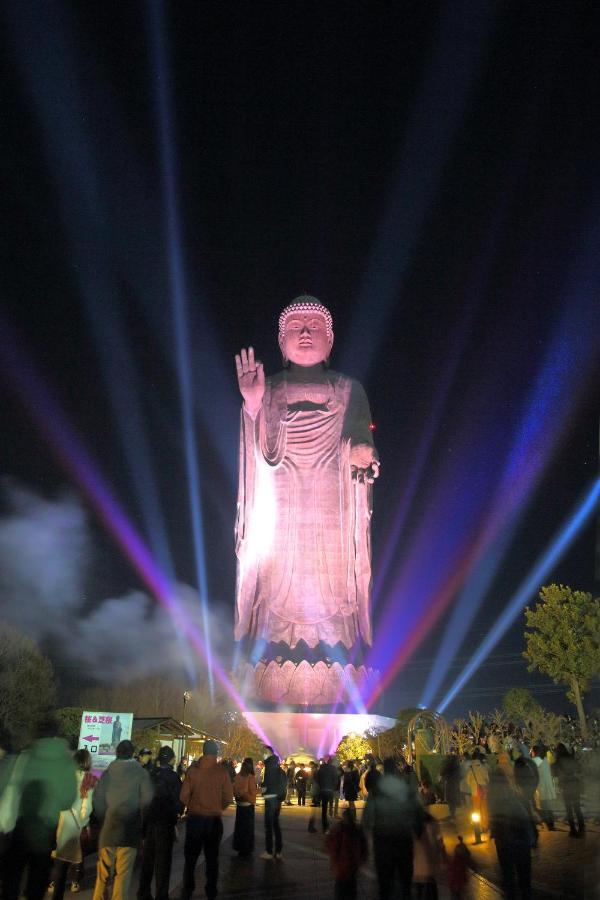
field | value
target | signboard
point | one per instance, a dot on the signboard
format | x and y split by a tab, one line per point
101	732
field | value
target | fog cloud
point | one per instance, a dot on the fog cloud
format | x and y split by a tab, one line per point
46	548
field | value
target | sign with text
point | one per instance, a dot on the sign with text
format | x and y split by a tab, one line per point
101	732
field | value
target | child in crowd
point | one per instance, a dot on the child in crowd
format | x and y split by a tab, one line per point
347	847
458	869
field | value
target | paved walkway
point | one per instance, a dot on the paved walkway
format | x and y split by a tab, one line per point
562	867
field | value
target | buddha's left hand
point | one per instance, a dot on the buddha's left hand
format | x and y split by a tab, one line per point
364	464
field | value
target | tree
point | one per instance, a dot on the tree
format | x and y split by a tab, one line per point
460	737
69	723
520	706
241	740
564	641
353	746
27	687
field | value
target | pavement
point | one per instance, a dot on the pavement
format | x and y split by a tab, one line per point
562	867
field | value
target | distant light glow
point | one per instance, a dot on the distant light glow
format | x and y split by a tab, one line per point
528	588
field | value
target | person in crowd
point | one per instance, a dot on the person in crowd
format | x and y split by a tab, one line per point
274	791
301	779
348	850
450	775
546	792
429	858
144	758
505	764
566	771
121	797
159	827
512	831
45	784
478	778
410	776
291	775
394	816
69	852
465	787
334	802
426	793
230	768
458	867
372	776
206	791
351	787
526	781
315	796
327	779
244	792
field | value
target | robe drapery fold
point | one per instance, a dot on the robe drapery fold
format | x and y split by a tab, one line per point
303	524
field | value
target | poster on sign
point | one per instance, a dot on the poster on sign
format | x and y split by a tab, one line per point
101	732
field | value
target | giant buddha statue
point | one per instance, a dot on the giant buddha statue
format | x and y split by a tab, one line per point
306	467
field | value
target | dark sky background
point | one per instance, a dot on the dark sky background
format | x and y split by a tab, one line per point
428	170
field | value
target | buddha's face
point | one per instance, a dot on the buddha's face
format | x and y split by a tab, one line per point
305	341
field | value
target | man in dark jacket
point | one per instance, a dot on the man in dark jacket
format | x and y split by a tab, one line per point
121	797
327	779
393	815
159	828
274	791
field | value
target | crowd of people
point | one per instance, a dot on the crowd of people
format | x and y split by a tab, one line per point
54	810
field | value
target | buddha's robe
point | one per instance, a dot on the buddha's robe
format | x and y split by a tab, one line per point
303	524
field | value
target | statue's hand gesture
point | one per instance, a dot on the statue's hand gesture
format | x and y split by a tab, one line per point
251	379
364	463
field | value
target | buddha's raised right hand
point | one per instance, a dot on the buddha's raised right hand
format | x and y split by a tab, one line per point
251	379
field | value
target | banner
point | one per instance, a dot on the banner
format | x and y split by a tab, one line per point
101	732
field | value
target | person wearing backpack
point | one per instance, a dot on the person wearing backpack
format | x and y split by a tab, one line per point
274	791
159	828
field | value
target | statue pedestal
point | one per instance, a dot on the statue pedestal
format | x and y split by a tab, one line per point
317	733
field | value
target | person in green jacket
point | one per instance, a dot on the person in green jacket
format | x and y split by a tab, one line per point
45	773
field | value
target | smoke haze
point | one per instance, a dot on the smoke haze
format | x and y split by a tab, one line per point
46	551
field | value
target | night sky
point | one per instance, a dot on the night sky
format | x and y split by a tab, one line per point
430	171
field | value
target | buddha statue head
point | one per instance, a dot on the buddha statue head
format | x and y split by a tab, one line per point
305	332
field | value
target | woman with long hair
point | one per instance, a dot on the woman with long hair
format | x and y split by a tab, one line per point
244	792
69	851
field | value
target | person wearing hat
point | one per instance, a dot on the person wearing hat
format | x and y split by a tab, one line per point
206	791
159	828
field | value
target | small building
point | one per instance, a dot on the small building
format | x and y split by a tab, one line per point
156	731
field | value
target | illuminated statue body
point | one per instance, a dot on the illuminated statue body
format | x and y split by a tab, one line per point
303	525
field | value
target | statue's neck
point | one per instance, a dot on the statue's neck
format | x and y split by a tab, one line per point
309	374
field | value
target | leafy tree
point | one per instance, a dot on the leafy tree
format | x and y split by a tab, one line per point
386	741
520	706
241	740
564	641
69	723
27	687
353	746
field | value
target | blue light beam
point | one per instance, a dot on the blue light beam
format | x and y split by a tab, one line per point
562	541
178	290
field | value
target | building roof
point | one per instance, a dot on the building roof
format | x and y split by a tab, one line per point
167	726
